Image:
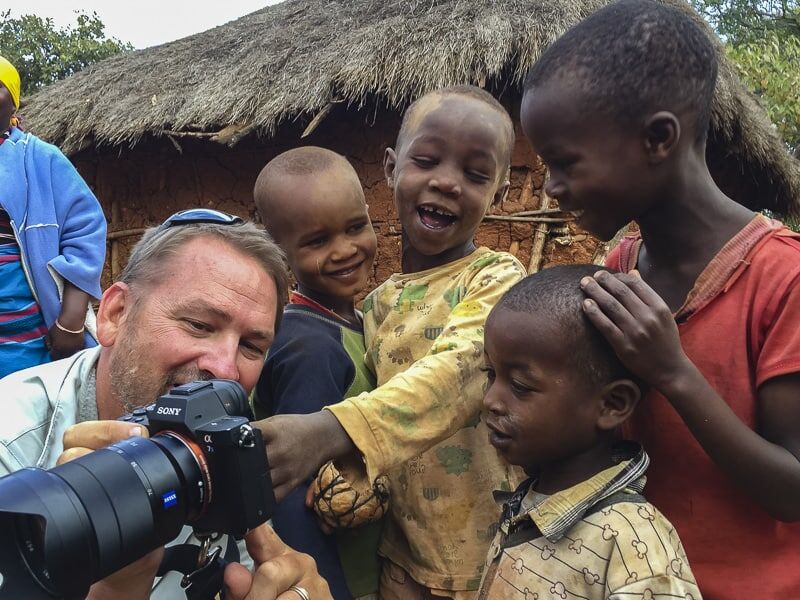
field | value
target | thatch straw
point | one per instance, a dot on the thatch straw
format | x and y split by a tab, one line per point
292	60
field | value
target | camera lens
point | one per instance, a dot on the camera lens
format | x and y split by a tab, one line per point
92	516
30	537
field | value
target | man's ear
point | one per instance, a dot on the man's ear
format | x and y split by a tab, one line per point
618	400
389	163
115	305
662	132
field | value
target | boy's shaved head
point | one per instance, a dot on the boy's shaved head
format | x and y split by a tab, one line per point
634	57
555	293
304	162
422	105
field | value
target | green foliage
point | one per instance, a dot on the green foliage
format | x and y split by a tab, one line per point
771	68
762	38
742	21
43	53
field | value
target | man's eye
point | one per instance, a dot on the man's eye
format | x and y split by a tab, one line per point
197	325
253	348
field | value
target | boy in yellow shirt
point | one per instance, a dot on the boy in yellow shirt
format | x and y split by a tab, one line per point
424	333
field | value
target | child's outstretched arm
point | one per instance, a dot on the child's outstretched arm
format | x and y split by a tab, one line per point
640	327
414	410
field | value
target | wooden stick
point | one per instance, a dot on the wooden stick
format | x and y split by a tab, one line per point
528	219
190	134
116	267
540	237
531	213
123	233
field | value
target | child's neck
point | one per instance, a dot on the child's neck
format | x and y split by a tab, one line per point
557	476
684	230
413	261
344	308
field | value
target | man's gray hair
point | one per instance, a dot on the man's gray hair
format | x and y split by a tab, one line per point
149	254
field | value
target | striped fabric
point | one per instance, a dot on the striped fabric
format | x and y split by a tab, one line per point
22	328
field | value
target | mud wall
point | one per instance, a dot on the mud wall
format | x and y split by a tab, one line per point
142	186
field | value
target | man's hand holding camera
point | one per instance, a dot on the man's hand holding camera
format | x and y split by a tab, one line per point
278	567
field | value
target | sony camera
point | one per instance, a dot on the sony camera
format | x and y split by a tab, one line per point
204	466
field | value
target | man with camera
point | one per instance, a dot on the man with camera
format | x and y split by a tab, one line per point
200	298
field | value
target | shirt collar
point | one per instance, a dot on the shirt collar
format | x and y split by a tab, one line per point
556	515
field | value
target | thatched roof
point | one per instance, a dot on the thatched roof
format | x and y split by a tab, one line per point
296	59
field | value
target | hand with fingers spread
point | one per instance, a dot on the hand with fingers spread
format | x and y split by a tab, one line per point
638	324
280	573
135	581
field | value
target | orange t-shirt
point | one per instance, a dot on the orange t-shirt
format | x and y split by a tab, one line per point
740	326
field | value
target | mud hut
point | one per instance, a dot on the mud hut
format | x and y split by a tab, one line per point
190	123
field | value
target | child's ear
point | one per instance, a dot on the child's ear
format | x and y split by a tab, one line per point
114	306
502	192
618	400
662	132
389	162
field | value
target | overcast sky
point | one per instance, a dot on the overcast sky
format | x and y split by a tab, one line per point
144	23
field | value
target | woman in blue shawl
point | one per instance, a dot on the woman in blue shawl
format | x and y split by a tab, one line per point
52	245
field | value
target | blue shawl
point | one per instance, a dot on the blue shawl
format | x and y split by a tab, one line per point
58	221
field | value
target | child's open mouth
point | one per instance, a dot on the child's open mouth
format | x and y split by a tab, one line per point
434	217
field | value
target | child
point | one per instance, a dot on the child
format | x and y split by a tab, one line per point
557	395
618	109
52	245
311	201
424	332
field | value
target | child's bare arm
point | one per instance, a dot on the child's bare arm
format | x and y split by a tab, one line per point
640	327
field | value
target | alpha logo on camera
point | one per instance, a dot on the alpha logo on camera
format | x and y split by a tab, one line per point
168	410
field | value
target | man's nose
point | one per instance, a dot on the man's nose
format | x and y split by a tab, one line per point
220	360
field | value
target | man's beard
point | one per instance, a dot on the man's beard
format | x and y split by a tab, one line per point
134	385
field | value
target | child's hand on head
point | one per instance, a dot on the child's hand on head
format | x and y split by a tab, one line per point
637	323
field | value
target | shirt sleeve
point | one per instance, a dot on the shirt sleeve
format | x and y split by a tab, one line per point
660	587
780	352
82	228
438	394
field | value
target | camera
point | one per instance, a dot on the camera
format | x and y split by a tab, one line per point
204	466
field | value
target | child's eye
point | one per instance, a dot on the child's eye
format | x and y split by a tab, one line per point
316	242
490	374
357	227
424	162
477	177
520	388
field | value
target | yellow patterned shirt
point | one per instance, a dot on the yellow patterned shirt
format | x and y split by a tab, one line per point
422	425
598	540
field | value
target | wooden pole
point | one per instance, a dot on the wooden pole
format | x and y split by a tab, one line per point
540	236
123	233
115	218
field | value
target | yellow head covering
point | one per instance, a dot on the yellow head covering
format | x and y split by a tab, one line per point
10	78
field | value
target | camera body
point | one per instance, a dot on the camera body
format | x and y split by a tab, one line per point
234	491
203	466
